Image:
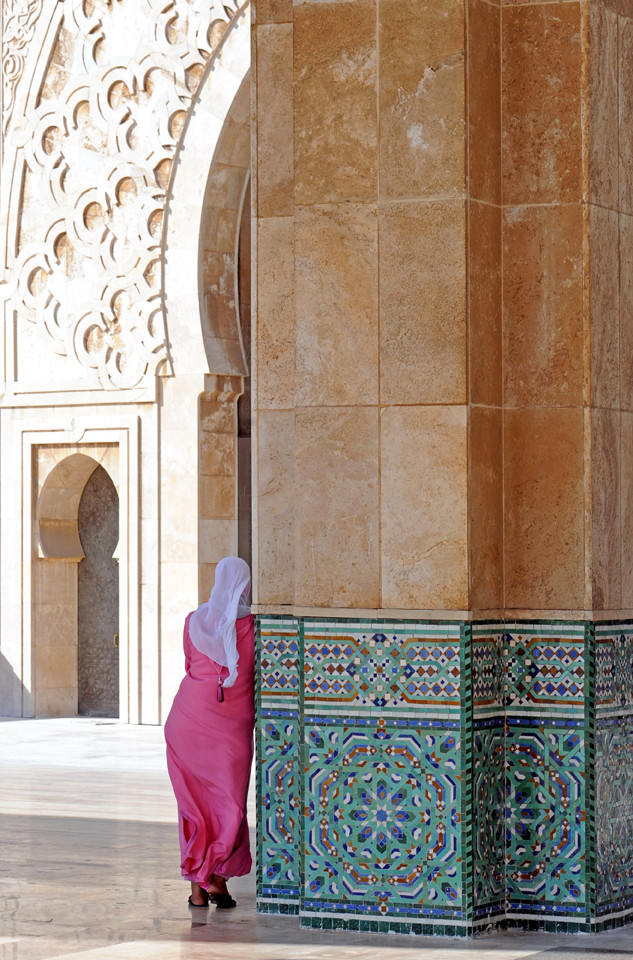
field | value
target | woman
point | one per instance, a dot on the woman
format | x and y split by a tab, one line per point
209	734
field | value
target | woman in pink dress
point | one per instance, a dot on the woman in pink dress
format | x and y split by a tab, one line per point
209	734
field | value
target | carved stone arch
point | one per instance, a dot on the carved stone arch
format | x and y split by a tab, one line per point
57	507
223	210
204	210
91	149
62	650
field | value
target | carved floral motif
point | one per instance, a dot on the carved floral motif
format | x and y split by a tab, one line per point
18	26
98	153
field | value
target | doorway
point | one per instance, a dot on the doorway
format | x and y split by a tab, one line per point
98	599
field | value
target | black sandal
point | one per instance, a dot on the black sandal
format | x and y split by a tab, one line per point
223	901
199	906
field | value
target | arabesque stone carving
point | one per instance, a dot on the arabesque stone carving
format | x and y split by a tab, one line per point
18	26
96	152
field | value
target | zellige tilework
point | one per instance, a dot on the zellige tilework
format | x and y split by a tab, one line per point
436	777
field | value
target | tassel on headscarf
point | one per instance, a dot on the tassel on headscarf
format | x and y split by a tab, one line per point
212	625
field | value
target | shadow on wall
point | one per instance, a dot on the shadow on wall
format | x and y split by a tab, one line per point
11	690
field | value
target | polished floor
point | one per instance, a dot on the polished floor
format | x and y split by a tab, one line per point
89	868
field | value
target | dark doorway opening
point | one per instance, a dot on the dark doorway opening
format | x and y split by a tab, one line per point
98	599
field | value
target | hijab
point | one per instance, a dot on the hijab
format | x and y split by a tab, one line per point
212	625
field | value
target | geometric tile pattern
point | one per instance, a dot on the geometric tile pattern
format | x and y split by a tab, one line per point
614	671
383	772
279	806
545	817
488	669
488	771
382	826
546	771
381	669
279	660
614	815
544	671
435	777
613	766
278	768
489	826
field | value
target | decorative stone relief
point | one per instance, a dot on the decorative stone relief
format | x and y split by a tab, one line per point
18	26
97	152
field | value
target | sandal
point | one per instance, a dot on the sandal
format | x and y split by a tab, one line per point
223	901
199	906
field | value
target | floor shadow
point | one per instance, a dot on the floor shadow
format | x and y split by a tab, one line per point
11	690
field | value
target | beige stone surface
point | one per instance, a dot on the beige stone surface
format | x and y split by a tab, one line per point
276	500
424	507
484	100
275	146
626	506
544	508
216	539
217	454
335	109
217	416
274	11
336	507
336	292
605	307
54	618
422	99
218	497
541	91
56	666
179	486
275	313
57	577
543	305
485	344
422	302
206	579
605	510
485	507
603	106
180	538
625	109
56	702
626	312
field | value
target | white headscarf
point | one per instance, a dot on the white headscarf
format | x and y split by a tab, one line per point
212	625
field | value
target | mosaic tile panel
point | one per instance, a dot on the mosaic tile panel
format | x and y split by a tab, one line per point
279	806
545	816
614	815
614	671
383	818
381	666
416	779
278	768
613	766
279	674
488	771
488	671
544	671
489	829
383	759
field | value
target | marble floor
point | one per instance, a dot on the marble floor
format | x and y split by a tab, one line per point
89	868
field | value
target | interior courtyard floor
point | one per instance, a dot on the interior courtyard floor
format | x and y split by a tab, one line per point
89	868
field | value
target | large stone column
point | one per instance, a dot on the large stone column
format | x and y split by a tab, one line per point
442	464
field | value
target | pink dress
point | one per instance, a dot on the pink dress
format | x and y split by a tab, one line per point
209	756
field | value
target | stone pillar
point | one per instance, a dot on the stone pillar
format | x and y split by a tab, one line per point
440	403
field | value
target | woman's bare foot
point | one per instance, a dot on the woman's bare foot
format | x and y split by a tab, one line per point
217	884
199	896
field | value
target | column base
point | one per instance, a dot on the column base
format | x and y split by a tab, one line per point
445	777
